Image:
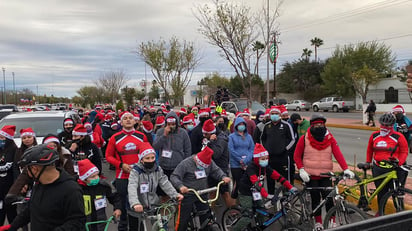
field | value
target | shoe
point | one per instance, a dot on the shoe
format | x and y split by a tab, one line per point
318	227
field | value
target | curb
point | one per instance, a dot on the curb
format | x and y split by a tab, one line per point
350	126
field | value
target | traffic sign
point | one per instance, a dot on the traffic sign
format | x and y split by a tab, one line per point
273	52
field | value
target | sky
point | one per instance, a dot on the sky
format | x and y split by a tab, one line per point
57	47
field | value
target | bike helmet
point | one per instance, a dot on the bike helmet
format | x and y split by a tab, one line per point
39	155
317	117
387	119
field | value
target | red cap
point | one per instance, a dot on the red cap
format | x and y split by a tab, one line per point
147	126
27	132
160	120
224	113
204	157
86	169
183	110
208	127
398	108
275	109
79	130
145	149
212	104
188	119
204	111
283	109
8	131
259	152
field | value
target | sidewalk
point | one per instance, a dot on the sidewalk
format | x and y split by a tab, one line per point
349	123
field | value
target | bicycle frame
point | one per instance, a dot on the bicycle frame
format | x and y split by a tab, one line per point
363	186
108	221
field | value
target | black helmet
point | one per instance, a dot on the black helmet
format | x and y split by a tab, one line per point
387	119
317	117
39	155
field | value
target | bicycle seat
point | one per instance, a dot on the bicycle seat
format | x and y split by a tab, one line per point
364	166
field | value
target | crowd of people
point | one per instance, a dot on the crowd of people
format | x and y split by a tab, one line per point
159	153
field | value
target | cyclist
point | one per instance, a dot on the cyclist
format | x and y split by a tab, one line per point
56	202
313	155
255	175
384	145
193	172
402	124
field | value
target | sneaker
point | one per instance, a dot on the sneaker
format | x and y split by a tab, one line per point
318	226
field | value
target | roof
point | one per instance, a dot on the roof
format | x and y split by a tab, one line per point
36	114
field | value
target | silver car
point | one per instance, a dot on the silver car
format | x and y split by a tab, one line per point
298	105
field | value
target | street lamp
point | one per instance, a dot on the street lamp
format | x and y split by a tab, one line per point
4	85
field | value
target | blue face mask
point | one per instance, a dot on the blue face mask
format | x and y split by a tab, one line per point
274	117
93	182
2	144
190	127
263	163
241	128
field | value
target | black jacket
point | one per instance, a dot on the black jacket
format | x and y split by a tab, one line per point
65	139
278	139
221	151
57	206
196	137
87	150
7	163
93	193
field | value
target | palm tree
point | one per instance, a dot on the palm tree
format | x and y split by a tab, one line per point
256	47
317	42
306	53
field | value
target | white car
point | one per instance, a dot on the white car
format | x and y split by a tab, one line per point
298	105
42	123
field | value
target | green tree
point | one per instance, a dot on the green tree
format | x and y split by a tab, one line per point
109	85
119	105
89	94
306	54
316	42
212	82
172	65
258	46
358	66
129	95
154	91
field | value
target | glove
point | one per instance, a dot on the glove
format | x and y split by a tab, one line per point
349	173
368	165
293	190
5	227
274	199
304	175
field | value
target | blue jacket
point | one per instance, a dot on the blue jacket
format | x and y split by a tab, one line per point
240	147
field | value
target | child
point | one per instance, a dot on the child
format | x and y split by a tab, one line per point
95	192
193	172
255	175
144	179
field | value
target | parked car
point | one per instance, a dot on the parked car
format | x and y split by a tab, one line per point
335	104
237	105
298	105
43	123
8	108
279	101
61	106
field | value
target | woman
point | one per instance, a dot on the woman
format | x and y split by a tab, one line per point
313	156
7	152
241	152
384	145
28	139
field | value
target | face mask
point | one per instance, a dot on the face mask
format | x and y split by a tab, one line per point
399	116
241	128
318	133
2	143
263	163
190	127
221	126
194	112
93	182
148	165
285	119
203	119
213	111
274	117
260	119
69	129
385	131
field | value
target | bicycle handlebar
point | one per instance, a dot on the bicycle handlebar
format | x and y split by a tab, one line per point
204	191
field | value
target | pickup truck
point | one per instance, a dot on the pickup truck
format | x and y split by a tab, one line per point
335	104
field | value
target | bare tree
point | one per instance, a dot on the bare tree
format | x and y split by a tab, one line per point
111	82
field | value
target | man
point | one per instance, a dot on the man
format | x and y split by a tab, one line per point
122	152
277	138
196	136
371	113
409	80
302	124
257	133
403	124
56	202
173	144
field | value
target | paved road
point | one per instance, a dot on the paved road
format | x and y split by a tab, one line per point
338	115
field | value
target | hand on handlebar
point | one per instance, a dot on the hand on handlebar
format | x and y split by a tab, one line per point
138	208
184	189
117	213
179	196
293	190
349	173
226	180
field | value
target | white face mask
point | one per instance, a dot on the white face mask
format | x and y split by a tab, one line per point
384	131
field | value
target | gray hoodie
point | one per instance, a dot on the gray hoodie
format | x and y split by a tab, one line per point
143	184
178	143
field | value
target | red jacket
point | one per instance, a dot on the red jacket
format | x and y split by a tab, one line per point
381	147
97	137
123	147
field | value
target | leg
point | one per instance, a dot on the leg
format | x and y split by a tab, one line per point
377	171
121	187
326	182
183	212
246	203
236	174
315	196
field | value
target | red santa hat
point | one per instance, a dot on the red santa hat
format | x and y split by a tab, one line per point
146	149
147	126
108	117
204	111
209	127
283	110
267	112
275	109
136	117
398	108
68	121
183	110
27	132
224	113
8	131
212	104
246	112
195	108
238	114
79	130
188	119
162	106
125	113
259	152
114	125
86	169
204	157
87	125
160	120
152	108
51	139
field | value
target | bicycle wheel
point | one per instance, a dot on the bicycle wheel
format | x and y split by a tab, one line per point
298	214
343	213
393	202
230	217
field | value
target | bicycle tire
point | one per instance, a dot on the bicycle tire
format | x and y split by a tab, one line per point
349	215
230	217
391	203
298	214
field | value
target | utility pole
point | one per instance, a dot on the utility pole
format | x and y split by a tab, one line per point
268	56
274	65
4	85
14	89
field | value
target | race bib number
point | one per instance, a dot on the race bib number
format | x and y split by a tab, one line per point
256	196
100	203
200	174
167	154
144	188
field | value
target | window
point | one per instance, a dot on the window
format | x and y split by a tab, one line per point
391	95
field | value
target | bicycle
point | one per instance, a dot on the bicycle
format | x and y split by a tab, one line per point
107	222
340	214
158	217
210	223
232	215
391	202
